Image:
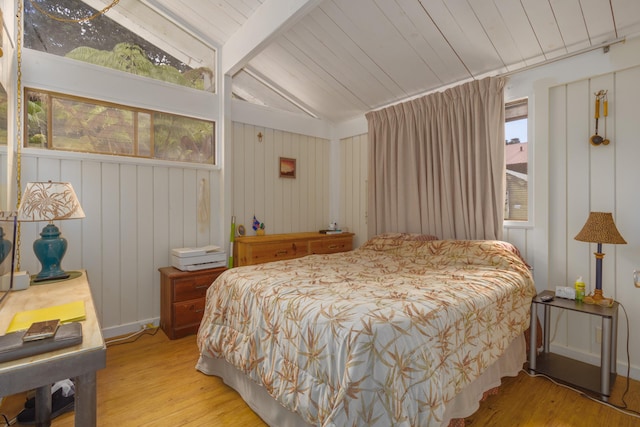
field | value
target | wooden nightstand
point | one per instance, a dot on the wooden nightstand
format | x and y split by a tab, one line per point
182	299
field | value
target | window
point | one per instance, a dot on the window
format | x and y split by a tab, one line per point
61	122
516	207
249	87
51	27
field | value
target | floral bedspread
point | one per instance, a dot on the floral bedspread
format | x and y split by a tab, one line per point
383	335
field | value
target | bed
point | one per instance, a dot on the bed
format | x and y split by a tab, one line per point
402	331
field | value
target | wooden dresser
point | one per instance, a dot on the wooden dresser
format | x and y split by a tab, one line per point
182	299
250	250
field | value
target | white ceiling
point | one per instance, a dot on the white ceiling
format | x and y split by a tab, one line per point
338	59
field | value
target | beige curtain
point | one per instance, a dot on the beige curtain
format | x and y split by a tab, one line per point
436	164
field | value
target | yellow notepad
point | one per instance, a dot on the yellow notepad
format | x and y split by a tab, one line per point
71	312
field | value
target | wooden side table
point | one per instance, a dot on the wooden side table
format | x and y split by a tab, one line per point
580	374
182	299
79	362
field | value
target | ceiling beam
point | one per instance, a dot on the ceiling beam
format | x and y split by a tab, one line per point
270	20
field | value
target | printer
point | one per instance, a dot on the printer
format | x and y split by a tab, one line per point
193	259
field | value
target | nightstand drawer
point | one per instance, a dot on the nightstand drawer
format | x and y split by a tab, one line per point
188	312
329	246
192	287
182	299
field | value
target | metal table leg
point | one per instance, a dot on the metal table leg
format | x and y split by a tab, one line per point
533	339
43	406
605	355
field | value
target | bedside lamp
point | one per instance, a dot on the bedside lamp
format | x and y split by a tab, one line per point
599	229
49	201
5	246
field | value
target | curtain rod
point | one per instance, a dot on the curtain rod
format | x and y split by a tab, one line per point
605	46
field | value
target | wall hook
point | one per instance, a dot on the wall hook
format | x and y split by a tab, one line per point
259	136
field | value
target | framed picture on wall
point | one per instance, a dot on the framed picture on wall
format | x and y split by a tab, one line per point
287	167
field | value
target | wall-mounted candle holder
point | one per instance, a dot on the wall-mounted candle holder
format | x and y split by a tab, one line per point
601	99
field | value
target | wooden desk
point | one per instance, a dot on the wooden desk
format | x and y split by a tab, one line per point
79	362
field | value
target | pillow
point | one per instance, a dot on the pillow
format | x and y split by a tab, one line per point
418	237
513	249
388	241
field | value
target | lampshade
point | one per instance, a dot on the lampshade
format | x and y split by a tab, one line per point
599	229
49	201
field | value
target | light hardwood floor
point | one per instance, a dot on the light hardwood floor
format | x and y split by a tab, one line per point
153	382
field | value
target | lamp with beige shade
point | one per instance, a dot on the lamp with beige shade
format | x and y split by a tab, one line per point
599	229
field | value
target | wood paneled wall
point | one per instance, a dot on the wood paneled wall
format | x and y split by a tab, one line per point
353	190
135	213
284	205
587	178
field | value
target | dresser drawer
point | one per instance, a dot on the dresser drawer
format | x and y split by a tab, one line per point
251	250
276	251
188	312
329	246
192	287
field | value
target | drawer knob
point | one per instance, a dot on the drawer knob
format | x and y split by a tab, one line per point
193	308
281	253
201	287
333	246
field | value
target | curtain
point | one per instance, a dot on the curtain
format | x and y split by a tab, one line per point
437	166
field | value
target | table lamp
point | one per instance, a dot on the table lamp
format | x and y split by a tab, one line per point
599	229
5	246
49	201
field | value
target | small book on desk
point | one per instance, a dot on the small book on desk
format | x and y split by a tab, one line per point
13	347
41	330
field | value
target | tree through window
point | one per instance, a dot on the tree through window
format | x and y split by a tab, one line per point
102	41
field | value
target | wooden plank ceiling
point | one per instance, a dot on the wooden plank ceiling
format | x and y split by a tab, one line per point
338	59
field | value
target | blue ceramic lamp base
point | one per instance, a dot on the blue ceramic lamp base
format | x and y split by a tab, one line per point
50	250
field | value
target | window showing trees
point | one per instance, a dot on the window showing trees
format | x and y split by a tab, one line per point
60	122
51	27
516	207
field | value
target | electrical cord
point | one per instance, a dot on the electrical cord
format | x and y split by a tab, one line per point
624	408
626	390
132	337
618	408
7	422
